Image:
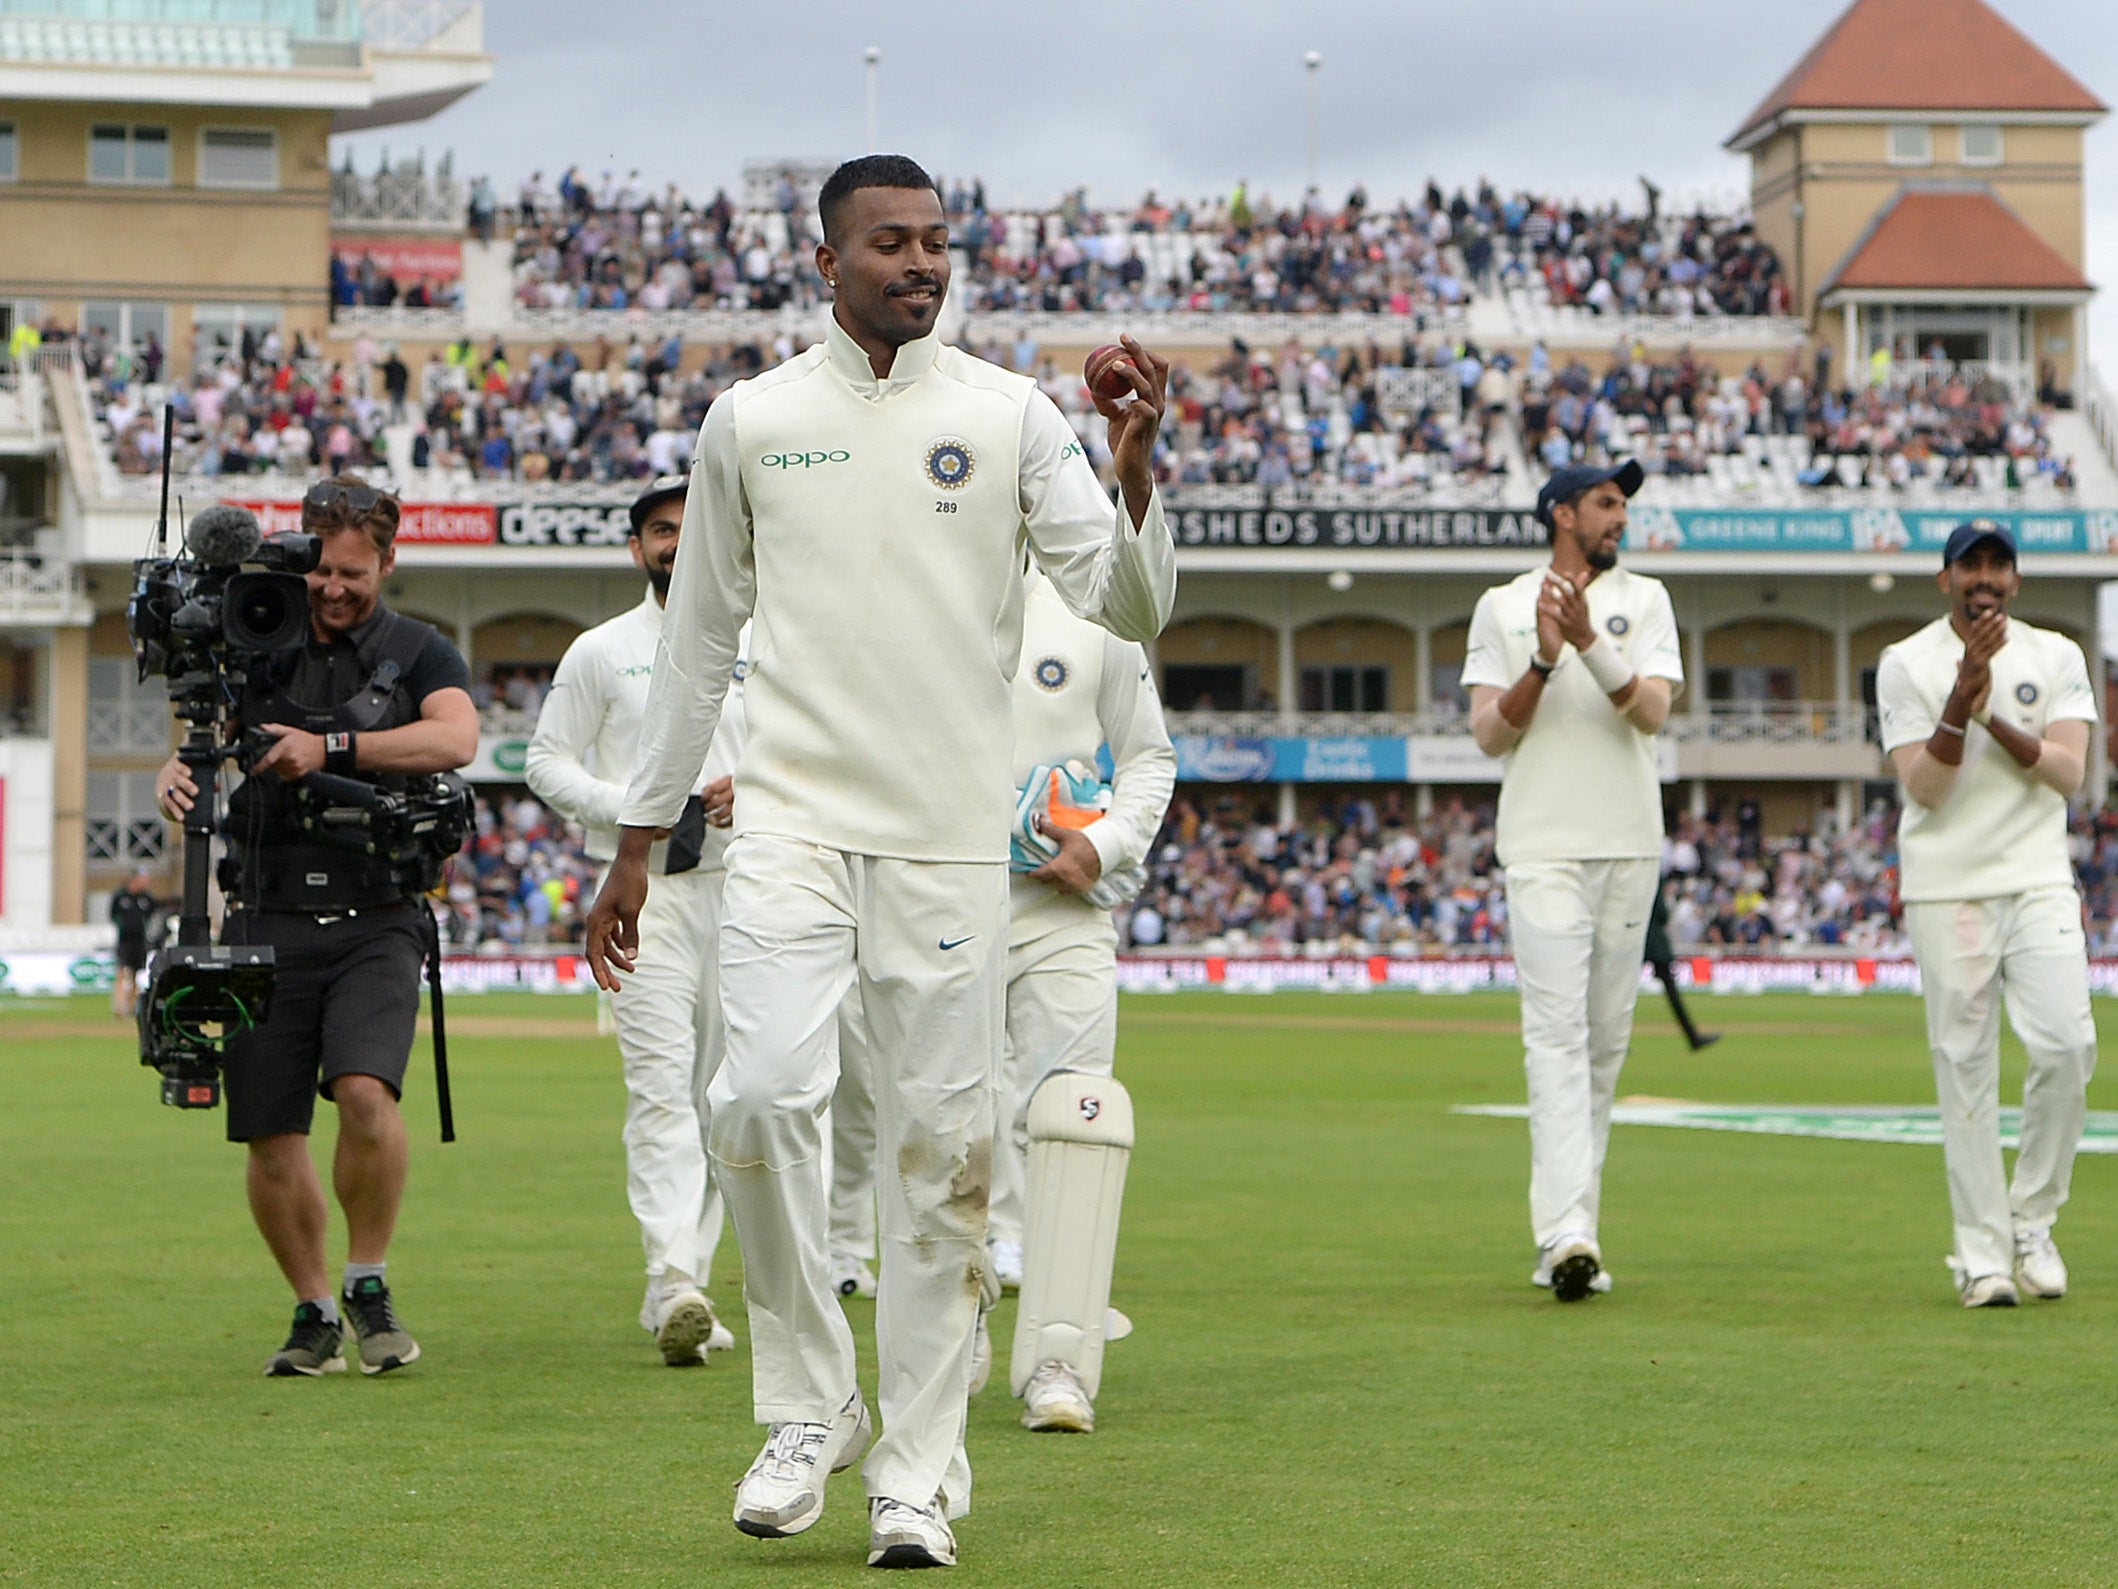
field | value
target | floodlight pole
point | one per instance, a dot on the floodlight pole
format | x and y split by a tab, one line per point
873	57
1310	63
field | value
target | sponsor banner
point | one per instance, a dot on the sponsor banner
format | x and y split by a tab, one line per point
408	259
501	758
1659	529
1911	1123
418	523
1354	528
1241	759
1482	973
564	523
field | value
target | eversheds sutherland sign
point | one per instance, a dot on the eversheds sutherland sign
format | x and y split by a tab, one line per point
1339	528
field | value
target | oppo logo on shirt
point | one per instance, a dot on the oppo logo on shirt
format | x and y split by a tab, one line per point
635	672
803	460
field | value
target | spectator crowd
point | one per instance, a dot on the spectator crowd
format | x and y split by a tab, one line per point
1364	875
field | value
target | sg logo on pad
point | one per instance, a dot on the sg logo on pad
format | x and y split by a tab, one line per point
1091	1107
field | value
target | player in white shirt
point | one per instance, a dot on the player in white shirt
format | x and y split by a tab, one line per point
668	1014
1571	670
1078	689
1987	721
870	501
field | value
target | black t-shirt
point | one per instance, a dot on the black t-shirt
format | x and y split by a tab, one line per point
131	913
439	665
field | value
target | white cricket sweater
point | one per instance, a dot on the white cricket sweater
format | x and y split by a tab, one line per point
876	530
588	730
1079	689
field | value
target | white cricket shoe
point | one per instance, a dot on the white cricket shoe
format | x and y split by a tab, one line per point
981	1354
1571	1266
2038	1267
783	1493
684	1327
1054	1401
1982	1291
720	1338
1007	1264
903	1535
850	1277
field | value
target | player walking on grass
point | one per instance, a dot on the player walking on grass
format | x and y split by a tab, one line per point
1571	669
1987	719
870	501
668	1014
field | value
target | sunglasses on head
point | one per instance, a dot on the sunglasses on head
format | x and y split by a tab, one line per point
327	496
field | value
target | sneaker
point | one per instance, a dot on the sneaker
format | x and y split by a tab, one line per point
313	1346
384	1341
1982	1291
686	1325
1053	1401
783	1493
1007	1264
850	1277
1571	1266
720	1338
981	1355
903	1535
2038	1267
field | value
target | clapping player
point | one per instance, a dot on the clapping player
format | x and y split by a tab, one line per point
1987	721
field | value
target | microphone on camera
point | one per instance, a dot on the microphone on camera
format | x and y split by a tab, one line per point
223	536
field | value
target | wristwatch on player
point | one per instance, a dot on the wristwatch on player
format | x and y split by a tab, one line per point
1540	667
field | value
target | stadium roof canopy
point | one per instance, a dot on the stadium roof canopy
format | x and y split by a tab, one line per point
1894	59
1956	242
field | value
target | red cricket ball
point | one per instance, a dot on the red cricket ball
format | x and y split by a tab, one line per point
1105	372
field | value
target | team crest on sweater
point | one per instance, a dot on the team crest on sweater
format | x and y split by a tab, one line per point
1051	674
951	463
2026	692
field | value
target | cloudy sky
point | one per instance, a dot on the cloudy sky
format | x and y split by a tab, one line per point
1186	96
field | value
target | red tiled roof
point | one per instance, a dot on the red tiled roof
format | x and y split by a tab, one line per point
1939	55
1968	239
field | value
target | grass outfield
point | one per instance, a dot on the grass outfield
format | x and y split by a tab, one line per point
1340	1374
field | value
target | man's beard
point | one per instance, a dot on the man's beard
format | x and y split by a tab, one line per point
658	576
1601	561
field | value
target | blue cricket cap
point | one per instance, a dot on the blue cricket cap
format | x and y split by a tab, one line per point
1969	533
1570	481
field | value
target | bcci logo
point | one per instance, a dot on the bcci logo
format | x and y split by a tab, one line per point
2026	693
1091	1107
1051	673
1616	623
950	464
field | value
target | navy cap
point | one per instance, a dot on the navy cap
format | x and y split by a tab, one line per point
1570	481
659	490
1969	533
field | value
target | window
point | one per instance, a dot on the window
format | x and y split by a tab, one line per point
123	825
128	154
1345	689
1981	145
126	325
1911	145
238	157
217	328
127	715
1203	687
10	159
1751	689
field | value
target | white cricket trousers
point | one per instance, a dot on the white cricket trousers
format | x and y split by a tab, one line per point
1579	929
1972	951
1062	1014
927	942
670	1037
853	1138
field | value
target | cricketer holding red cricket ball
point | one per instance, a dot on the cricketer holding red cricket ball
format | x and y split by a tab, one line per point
871	501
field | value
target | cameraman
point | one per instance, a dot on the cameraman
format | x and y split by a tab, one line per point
373	696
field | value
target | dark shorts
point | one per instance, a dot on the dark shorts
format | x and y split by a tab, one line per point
132	954
345	1002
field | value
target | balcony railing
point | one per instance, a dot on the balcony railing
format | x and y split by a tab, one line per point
1722	723
37	588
